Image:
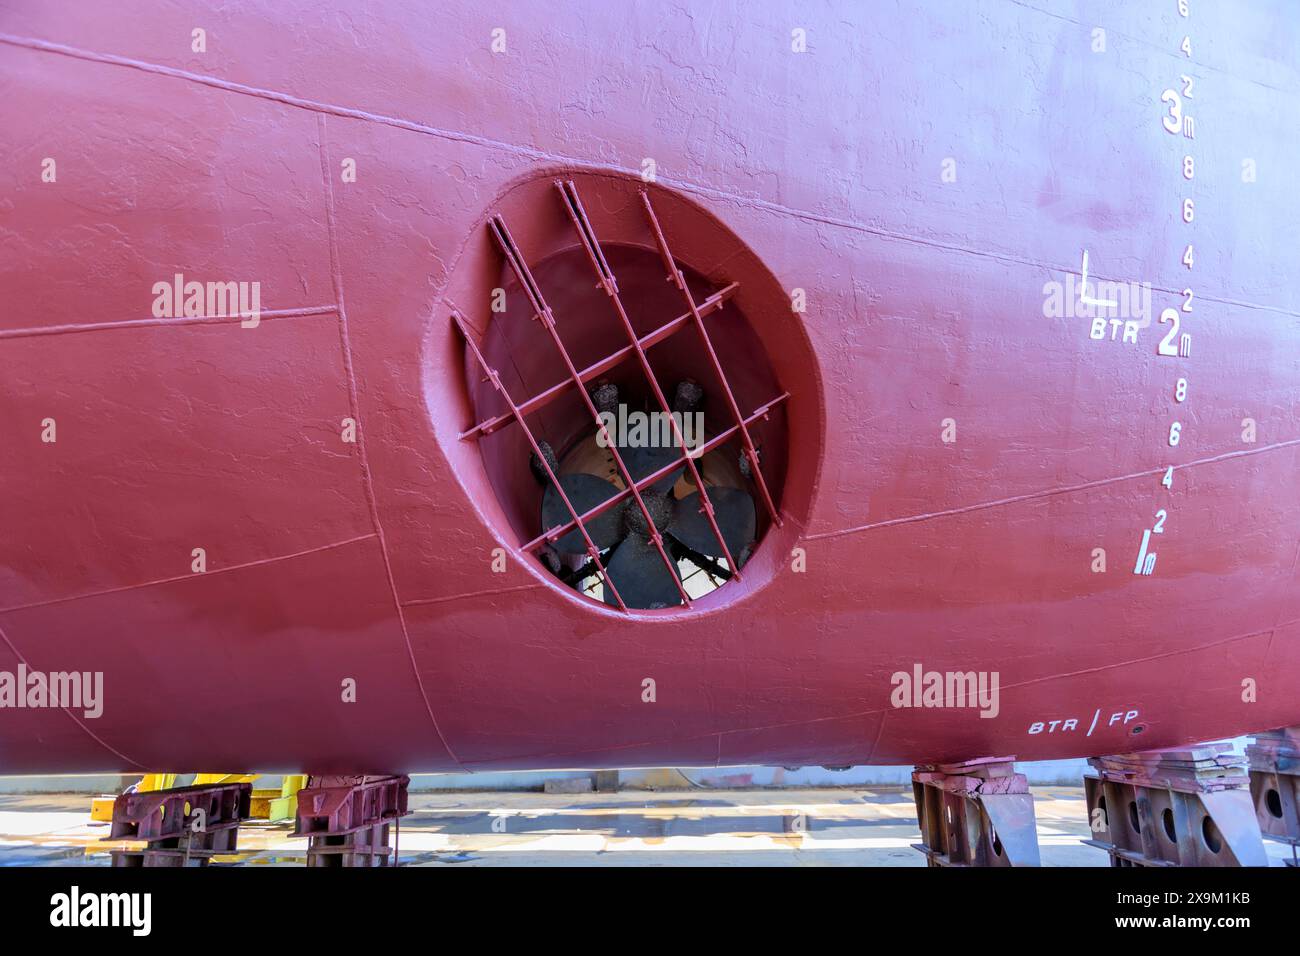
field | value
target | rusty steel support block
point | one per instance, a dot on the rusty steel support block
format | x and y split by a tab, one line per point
182	826
347	819
975	813
1275	785
1178	807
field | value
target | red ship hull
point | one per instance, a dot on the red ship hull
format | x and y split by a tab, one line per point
952	457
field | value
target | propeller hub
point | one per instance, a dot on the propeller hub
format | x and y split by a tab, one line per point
660	507
605	397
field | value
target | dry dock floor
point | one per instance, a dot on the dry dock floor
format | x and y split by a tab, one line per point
825	827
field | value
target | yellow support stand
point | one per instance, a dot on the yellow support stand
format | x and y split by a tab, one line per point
203	779
276	806
101	809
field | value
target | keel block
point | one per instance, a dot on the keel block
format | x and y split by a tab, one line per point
1275	785
975	813
1188	806
347	819
181	826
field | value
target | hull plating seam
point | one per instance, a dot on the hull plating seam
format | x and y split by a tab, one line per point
569	161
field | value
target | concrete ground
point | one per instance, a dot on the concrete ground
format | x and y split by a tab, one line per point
841	827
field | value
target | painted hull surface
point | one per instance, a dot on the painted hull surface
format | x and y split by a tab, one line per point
955	458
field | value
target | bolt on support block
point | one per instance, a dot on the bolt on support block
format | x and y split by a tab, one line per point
347	819
1275	785
183	826
1177	807
975	813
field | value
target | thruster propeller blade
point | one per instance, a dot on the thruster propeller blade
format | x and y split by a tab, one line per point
733	509
642	578
584	493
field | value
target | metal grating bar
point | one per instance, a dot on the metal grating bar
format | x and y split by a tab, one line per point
573	205
675	274
543	313
717	441
495	378
542	399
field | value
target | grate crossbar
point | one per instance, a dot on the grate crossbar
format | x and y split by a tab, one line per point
717	441
544	315
635	349
707	307
592	551
675	274
573	205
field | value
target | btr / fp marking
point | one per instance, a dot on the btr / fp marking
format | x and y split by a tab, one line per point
1065	725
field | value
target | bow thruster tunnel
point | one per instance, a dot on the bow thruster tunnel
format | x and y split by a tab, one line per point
632	427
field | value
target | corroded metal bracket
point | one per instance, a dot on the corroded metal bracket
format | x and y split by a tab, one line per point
347	819
182	826
1175	807
975	813
1275	785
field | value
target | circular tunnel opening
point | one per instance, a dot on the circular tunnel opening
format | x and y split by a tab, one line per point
546	255
640	437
